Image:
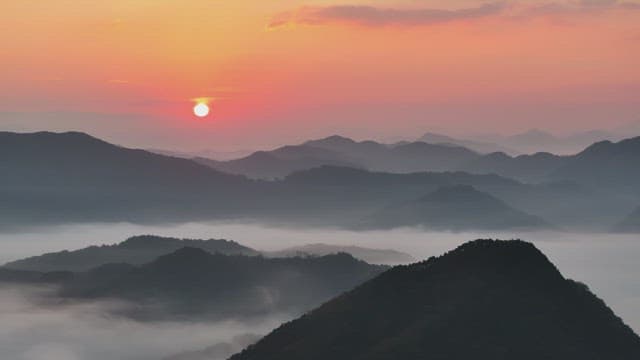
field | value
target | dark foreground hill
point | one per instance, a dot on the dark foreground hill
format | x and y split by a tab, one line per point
135	250
459	208
484	300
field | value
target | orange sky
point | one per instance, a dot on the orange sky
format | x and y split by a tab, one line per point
281	71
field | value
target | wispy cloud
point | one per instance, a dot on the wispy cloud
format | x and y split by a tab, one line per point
375	16
379	16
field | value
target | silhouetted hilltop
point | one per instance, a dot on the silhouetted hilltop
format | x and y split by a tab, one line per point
484	300
194	282
457	208
135	250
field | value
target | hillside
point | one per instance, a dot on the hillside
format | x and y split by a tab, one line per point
135	250
192	282
53	177
606	164
484	300
456	208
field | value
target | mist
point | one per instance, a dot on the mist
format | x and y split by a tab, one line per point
31	329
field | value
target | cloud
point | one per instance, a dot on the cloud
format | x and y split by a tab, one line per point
377	16
36	326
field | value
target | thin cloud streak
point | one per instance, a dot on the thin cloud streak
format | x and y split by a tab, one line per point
373	16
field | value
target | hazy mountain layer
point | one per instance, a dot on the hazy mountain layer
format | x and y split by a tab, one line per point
136	250
455	208
191	283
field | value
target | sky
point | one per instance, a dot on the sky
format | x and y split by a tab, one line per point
276	72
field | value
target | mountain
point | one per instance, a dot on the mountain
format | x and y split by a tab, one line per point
341	151
602	165
477	146
605	164
193	282
631	224
135	250
371	256
53	177
457	208
280	162
484	300
529	168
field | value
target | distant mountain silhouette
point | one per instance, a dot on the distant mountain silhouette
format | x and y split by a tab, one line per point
457	208
631	224
477	146
534	141
51	178
192	282
135	250
341	151
484	300
371	256
280	162
529	168
605	164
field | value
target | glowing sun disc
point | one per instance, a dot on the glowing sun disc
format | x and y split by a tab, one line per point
201	110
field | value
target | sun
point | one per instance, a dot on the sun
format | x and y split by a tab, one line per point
201	109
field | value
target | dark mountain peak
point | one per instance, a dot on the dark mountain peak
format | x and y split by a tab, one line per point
487	299
514	258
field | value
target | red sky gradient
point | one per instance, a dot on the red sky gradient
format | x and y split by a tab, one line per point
283	71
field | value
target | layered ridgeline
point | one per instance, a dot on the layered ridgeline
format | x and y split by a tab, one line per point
455	208
484	300
191	283
135	250
138	250
72	177
340	151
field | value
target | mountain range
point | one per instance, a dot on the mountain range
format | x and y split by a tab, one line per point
72	177
486	299
138	250
192	283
